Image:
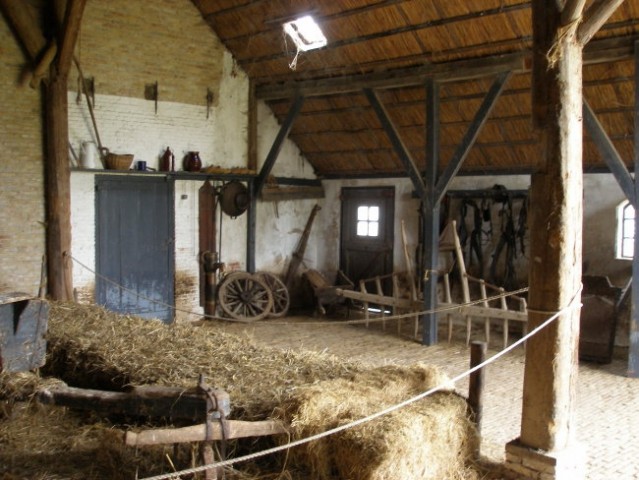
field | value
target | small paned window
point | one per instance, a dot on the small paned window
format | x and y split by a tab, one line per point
625	231
367	221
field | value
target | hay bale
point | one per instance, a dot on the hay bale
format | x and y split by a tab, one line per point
91	347
429	439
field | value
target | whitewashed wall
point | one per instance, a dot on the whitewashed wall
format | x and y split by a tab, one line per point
601	197
131	125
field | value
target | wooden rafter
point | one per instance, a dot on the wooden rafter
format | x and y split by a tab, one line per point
396	140
572	11
70	31
596	15
25	26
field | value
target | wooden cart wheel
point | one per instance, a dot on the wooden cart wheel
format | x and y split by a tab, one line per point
281	299
244	297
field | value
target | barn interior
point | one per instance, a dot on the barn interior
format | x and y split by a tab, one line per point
288	232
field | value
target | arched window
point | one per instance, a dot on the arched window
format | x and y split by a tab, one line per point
625	230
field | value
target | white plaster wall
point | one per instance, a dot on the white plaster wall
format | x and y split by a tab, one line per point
83	233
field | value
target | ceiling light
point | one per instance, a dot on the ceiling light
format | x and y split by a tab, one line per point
305	33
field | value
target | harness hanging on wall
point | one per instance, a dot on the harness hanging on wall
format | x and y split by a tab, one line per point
234	198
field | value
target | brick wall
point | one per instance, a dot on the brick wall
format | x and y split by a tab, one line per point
21	174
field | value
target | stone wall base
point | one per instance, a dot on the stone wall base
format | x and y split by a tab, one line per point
524	462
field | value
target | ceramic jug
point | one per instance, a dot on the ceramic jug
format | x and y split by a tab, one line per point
167	162
88	154
192	162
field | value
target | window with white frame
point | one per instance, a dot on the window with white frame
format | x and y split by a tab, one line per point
625	230
367	221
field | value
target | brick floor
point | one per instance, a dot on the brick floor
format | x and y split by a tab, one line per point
607	404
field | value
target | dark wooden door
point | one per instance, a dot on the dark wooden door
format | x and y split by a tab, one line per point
366	247
135	245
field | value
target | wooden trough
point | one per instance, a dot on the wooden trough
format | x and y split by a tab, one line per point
202	404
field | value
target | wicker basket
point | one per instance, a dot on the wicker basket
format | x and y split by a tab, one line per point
119	162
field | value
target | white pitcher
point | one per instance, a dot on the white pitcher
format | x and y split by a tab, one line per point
88	154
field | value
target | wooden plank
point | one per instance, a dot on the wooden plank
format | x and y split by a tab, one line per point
197	433
291	192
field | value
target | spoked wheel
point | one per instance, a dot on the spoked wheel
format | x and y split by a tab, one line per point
244	297
281	299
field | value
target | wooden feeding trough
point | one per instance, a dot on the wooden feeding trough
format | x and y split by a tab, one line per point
207	406
23	324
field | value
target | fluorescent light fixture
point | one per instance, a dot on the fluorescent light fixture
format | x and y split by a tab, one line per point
305	33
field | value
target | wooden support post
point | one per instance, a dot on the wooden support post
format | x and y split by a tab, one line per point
633	347
58	175
431	209
252	127
476	382
58	190
550	373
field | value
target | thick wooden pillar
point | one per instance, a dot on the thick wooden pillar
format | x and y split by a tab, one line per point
556	235
633	350
58	190
58	175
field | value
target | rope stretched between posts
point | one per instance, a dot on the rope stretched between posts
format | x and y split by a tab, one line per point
448	308
378	414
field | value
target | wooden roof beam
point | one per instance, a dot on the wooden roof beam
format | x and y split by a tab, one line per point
441	72
594	18
25	27
609	153
69	34
605	50
572	11
400	149
471	134
274	152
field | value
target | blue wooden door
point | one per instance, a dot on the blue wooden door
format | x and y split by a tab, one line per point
135	245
